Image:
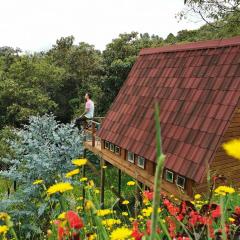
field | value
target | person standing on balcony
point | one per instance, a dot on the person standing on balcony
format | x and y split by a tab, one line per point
88	113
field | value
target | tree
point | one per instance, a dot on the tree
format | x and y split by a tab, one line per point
118	59
212	11
28	88
83	70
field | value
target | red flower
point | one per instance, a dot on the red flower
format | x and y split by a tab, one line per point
61	230
171	227
148	195
194	216
74	220
136	234
217	212
237	210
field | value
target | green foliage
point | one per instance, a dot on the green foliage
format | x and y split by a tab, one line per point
28	88
83	71
43	150
118	59
6	134
216	13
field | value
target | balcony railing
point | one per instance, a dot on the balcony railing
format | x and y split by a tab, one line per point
90	131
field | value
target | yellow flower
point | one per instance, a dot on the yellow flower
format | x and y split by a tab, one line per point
124	213
38	181
80	198
59	187
91	183
140	217
121	233
104	212
197	196
62	215
232	148
125	202
72	173
92	236
3	229
110	222
147	211
223	190
84	179
104	167
4	216
131	219
97	191
88	204
79	162
231	219
131	183
79	208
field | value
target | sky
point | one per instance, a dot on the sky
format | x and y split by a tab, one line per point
35	25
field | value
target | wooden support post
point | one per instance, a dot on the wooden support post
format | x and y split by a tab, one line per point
137	197
102	183
119	181
93	133
15	186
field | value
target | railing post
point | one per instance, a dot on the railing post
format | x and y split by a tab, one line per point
93	133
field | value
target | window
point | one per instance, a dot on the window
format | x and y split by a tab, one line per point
117	150
141	162
169	176
181	182
106	145
111	147
130	157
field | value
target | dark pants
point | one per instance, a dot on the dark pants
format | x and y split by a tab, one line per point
81	122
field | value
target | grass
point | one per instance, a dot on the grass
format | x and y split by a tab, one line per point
111	180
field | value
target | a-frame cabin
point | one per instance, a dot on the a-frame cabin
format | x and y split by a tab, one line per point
197	87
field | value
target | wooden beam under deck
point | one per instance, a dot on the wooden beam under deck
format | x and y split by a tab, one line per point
132	170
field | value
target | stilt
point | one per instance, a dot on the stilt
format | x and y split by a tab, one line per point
137	197
102	183
119	181
15	186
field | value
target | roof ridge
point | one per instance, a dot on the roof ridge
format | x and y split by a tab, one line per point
216	43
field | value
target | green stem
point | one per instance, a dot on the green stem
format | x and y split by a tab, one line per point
12	231
223	226
157	180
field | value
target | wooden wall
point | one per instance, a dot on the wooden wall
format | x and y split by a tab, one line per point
222	163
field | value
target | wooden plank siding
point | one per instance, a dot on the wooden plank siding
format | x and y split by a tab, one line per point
222	163
134	171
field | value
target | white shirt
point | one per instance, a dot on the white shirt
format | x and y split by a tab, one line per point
90	106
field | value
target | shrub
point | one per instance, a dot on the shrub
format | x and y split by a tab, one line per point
44	150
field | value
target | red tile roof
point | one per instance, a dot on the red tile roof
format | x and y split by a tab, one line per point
197	86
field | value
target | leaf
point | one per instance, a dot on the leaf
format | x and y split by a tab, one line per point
42	209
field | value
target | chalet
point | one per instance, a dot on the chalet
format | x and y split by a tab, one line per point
197	86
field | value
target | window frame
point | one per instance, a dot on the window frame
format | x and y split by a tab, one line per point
112	147
166	173
119	150
139	165
105	145
178	177
133	156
